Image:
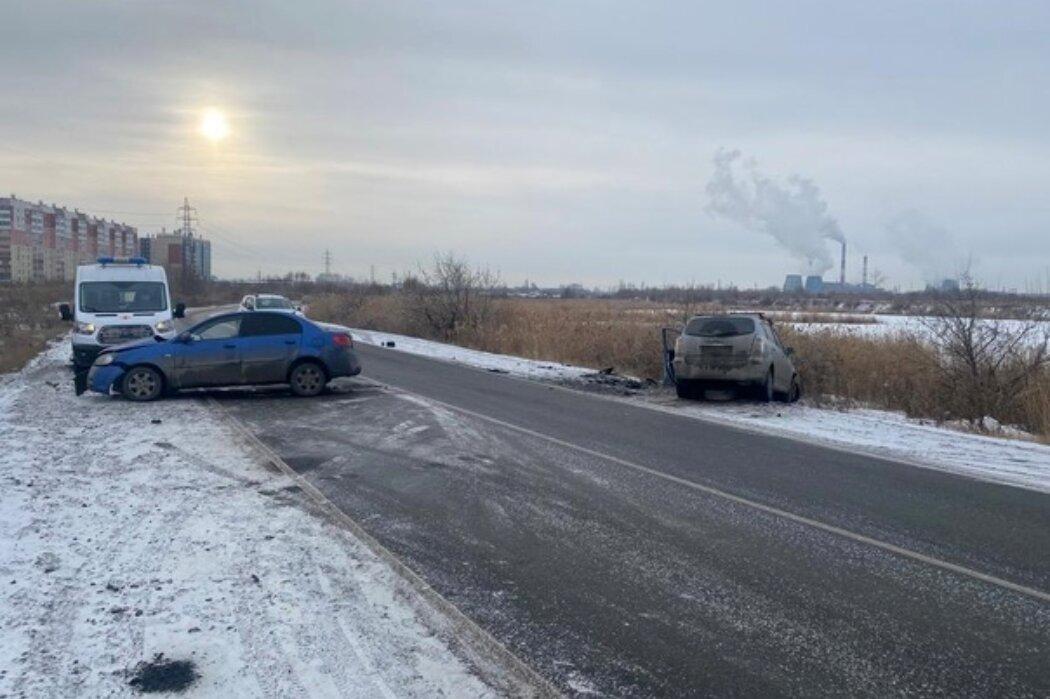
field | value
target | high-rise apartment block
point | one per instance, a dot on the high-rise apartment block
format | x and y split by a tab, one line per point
45	242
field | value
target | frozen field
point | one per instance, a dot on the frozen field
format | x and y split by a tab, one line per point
889	325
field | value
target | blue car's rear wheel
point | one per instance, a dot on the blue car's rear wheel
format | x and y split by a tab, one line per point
142	383
307	379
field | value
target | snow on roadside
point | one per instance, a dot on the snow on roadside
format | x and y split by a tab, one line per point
881	433
888	434
502	363
127	531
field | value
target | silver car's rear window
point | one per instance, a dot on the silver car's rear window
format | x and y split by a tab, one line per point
719	326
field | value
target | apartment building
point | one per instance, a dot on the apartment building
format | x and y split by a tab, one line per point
181	254
46	242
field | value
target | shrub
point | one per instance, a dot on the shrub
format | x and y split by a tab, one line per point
28	320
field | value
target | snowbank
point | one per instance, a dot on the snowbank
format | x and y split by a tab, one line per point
999	460
130	531
517	366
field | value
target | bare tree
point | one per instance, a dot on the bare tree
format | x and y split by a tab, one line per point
986	365
450	298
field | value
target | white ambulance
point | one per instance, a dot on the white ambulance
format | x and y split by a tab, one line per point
119	300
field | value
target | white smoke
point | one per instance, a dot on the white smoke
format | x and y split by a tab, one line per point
924	245
793	212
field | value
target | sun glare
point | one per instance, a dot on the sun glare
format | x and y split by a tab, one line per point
214	126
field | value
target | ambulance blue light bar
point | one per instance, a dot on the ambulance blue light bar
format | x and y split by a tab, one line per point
122	261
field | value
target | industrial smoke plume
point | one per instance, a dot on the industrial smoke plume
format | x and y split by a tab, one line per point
793	212
924	245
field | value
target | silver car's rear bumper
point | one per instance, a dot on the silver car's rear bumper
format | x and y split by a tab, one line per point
748	373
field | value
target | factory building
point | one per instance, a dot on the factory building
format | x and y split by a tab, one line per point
793	284
45	242
815	284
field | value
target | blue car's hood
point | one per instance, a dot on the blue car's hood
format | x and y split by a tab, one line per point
135	344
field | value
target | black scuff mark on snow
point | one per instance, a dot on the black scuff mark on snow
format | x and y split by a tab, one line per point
160	675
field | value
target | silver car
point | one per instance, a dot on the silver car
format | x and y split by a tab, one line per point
734	351
269	302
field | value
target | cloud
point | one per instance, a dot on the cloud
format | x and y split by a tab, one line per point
379	129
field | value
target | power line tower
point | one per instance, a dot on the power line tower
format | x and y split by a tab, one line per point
327	263
187	216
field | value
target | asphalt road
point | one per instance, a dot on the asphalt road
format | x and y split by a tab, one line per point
601	542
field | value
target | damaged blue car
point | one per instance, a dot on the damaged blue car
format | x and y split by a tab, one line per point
230	350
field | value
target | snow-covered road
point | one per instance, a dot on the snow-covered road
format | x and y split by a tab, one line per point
995	459
129	531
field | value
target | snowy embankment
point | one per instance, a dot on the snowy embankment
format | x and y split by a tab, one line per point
129	531
882	433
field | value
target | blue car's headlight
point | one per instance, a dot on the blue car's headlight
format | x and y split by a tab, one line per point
104	359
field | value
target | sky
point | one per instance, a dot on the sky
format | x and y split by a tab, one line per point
551	141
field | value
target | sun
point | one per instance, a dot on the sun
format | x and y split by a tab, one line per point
214	125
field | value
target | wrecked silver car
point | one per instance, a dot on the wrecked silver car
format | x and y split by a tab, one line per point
739	351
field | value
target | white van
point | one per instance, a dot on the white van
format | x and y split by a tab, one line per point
119	300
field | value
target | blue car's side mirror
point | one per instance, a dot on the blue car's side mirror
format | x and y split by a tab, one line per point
185	337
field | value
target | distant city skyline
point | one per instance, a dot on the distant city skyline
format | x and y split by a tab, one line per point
559	142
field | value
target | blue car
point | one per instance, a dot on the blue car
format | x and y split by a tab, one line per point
228	350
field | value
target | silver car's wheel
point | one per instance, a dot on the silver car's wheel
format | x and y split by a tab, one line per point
142	383
307	380
765	390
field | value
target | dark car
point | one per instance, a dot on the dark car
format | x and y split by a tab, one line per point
228	350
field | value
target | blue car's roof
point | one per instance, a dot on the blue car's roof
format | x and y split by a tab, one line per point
245	314
147	343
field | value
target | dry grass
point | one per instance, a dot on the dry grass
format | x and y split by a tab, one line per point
591	333
1037	408
28	321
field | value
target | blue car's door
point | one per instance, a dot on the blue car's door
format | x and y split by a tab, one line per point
211	356
270	342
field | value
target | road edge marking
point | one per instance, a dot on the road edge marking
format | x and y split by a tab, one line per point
754	504
481	647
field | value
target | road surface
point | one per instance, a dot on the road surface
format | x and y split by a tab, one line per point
628	552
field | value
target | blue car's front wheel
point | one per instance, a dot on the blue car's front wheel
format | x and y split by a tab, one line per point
142	383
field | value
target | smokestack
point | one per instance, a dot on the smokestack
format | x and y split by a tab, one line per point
864	274
842	269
